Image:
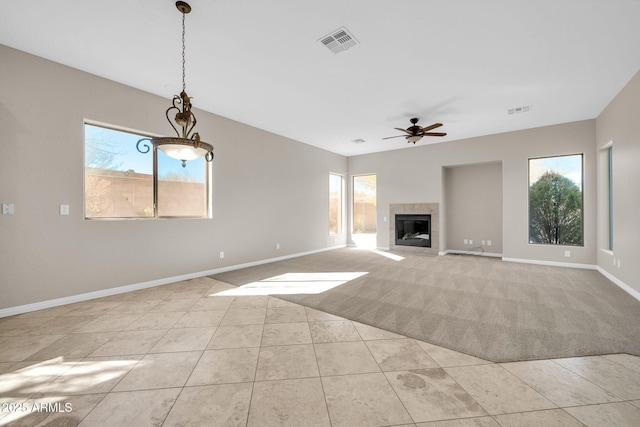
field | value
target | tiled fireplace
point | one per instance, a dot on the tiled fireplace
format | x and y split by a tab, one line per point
420	232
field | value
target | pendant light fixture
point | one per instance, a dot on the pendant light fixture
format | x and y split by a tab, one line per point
187	145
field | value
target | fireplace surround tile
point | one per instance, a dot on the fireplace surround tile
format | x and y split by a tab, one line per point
415	209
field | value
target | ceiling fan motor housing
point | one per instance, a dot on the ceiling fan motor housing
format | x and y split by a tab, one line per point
416	132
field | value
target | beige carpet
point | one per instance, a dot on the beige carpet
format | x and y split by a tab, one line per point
481	306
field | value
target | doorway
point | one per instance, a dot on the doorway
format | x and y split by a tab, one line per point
364	221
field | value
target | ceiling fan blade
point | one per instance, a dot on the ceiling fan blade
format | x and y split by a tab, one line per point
403	130
435	134
433	126
399	136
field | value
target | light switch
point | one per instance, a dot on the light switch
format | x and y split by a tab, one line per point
7	209
64	209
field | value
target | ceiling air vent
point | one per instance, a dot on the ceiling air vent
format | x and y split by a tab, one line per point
339	40
358	141
519	110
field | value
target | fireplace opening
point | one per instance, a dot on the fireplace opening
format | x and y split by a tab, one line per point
413	230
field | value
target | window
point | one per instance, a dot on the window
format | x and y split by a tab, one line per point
364	204
336	186
555	200
610	185
121	182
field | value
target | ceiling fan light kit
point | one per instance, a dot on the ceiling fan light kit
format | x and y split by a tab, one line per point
414	133
187	145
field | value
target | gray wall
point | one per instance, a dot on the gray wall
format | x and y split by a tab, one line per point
619	124
473	206
415	175
267	189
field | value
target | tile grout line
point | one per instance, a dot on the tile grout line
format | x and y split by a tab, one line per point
572	373
588	380
315	355
129	371
143	355
395	392
255	372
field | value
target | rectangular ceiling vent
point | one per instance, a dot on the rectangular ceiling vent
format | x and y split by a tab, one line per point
339	40
519	110
358	141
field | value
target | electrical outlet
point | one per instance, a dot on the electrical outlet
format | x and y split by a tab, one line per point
277	245
488	242
221	255
567	254
470	242
64	209
385	219
618	262
466	241
483	243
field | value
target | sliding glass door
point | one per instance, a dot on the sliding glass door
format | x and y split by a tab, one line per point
364	226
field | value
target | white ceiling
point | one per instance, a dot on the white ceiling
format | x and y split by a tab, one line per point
460	62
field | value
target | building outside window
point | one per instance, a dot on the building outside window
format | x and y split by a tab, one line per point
364	204
336	198
121	182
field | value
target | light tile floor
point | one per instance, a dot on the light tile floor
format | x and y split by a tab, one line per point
180	355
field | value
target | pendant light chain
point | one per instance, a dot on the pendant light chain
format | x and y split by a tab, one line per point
184	86
186	145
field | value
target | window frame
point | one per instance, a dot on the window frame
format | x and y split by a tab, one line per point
610	198
341	206
582	167
353	202
208	178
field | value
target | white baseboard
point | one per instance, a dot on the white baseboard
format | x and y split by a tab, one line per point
12	311
551	263
628	289
620	283
459	252
268	260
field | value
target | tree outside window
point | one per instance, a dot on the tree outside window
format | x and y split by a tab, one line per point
555	200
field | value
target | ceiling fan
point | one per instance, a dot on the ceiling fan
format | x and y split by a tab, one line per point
414	133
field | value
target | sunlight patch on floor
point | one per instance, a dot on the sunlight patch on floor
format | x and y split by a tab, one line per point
69	376
53	380
365	240
389	255
294	283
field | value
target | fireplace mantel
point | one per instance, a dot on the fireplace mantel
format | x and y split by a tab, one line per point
415	209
